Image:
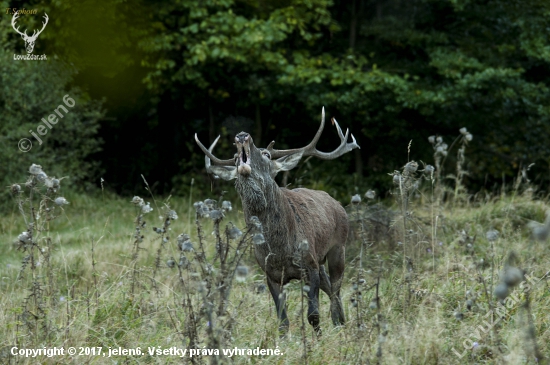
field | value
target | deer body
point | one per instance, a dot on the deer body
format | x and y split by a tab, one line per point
296	216
303	228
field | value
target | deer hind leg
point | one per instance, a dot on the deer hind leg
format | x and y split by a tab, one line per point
280	304
325	281
336	264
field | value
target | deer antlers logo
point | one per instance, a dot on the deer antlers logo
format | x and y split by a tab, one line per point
29	41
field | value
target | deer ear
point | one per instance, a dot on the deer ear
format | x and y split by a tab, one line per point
287	162
225	172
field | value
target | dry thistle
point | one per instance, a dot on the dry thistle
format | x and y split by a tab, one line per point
370	194
540	231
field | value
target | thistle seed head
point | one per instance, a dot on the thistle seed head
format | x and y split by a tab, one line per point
216	215
411	167
396	179
226	205
502	291
61	201
512	276
492	235
258	239
183	262
256	225
234	233
146	208
24	237
260	288
137	201
186	246
35	169
52	183
15	188
241	273
242	270
210	203
370	194
41	177
183	237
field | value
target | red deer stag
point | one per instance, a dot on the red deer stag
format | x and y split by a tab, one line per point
303	228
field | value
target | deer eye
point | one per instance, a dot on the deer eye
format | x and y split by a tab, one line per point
266	154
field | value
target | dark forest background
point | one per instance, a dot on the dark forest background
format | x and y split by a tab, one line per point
148	75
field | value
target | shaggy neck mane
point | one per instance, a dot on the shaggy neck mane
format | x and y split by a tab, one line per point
268	202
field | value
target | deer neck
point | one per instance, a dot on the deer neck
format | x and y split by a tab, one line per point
260	197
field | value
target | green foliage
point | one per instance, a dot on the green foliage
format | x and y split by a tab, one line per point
389	70
396	73
31	91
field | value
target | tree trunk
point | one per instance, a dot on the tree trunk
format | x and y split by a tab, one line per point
352	39
353	25
358	162
258	129
211	127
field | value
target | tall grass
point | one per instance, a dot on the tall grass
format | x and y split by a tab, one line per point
424	275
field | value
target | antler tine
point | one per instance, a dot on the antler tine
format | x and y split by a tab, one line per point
43	24
309	147
354	141
311	150
340	130
208	152
343	148
270	146
13	19
207	159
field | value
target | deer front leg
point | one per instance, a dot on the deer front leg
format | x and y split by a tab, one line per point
280	304
313	300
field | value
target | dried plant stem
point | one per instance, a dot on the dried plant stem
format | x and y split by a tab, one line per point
303	325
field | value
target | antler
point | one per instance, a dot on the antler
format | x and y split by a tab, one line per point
13	19
35	34
310	149
43	26
210	156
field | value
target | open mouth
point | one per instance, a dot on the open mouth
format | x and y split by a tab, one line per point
243	149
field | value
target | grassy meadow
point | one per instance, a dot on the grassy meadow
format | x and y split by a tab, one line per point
431	278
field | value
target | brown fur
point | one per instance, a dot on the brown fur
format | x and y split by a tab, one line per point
290	217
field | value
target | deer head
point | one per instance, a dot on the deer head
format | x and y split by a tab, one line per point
29	41
251	162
